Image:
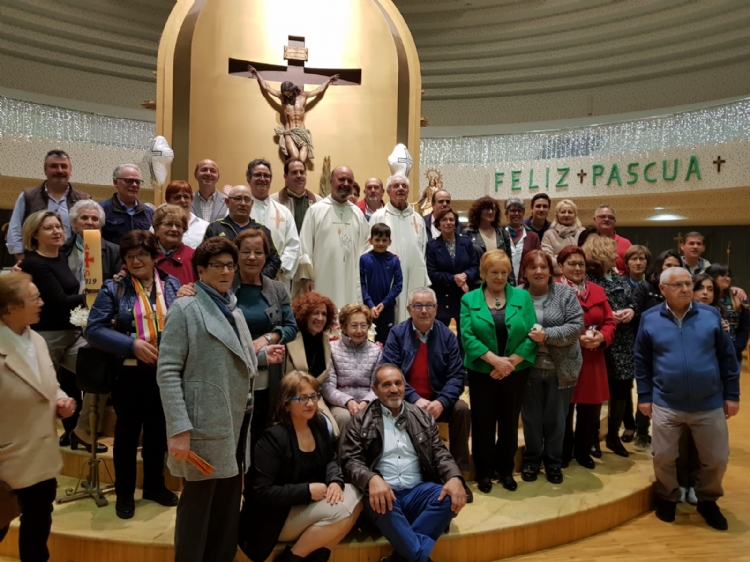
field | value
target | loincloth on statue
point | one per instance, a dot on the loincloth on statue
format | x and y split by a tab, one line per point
300	137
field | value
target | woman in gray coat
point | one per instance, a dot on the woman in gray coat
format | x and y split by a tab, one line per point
206	369
555	372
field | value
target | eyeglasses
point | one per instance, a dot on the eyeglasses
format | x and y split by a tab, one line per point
248	255
261	176
606	217
34	300
220	267
181	197
574	264
516	211
131	181
685	285
143	256
358	326
240	199
171	224
305	399
420	307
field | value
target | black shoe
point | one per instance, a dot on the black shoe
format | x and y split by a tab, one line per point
528	473
162	497
628	435
509	483
288	556
565	463
586	462
616	446
484	485
596	451
554	475
125	507
76	442
320	555
713	516
666	510
65	440
469	494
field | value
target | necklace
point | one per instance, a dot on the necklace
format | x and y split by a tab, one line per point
498	302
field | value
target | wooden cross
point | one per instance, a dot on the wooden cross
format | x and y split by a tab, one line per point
295	53
718	162
582	174
679	239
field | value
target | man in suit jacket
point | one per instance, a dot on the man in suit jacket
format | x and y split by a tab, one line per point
441	200
522	239
208	203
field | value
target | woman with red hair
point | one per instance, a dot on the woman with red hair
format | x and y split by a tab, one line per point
179	193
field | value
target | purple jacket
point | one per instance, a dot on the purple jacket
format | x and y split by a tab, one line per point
351	372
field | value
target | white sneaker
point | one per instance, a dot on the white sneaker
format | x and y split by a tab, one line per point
683	493
691	497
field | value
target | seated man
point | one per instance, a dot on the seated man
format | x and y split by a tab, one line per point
393	452
427	353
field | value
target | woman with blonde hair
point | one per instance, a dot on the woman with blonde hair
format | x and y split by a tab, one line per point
353	361
564	230
297	491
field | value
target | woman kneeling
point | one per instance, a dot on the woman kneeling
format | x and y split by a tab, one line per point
297	490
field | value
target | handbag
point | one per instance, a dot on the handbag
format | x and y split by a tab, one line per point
96	369
9	508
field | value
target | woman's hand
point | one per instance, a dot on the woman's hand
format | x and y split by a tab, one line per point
259	344
460	279
352	406
274	354
145	352
66	407
626	315
724	325
593	341
187	290
334	494
537	335
318	491
179	446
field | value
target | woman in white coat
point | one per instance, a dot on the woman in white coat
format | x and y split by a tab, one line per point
30	400
563	231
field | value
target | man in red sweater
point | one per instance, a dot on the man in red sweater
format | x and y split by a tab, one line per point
605	220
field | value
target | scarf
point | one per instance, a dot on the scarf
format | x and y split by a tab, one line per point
168	253
149	323
582	290
565	231
515	235
77	263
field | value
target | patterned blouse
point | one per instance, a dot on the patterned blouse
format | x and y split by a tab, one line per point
619	356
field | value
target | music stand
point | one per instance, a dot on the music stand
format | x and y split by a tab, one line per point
91	486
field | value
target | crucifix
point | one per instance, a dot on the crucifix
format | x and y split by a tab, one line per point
295	141
582	175
718	162
679	239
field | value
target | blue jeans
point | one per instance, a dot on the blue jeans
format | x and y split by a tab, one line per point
545	407
415	522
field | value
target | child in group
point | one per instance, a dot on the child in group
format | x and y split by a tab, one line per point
382	280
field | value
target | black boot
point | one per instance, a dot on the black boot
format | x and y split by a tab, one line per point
288	556
614	421
320	555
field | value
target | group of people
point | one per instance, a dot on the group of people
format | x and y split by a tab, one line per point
221	311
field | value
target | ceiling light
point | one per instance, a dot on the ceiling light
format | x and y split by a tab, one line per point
658	208
463	219
666	217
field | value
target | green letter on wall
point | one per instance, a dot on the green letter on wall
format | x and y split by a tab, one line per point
515	180
645	172
693	168
664	170
597	170
632	173
564	172
498	180
614	174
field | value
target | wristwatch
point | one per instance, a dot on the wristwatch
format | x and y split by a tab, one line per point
268	337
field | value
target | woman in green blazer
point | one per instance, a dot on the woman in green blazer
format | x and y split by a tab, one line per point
496	320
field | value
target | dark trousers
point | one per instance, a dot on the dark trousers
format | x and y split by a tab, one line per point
495	407
619	390
458	419
588	419
416	521
68	385
384	323
36	506
138	407
208	514
642	424
628	418
545	409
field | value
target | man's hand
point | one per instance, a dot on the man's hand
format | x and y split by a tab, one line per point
422	403
739	293
145	352
645	409
731	408
66	407
378	310
333	79
179	446
381	495
454	488
274	354
334	494
435	409
318	491
252	71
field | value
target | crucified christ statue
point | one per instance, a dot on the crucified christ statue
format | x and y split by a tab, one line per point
295	140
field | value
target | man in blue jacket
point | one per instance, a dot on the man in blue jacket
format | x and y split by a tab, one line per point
427	353
688	380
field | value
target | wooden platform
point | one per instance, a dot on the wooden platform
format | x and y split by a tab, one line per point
501	524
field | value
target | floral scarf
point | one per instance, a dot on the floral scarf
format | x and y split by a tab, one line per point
149	323
582	290
516	235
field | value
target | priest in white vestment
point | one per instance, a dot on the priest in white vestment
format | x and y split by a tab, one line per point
334	235
408	239
275	217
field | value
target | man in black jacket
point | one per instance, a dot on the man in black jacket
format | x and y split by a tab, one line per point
393	452
240	204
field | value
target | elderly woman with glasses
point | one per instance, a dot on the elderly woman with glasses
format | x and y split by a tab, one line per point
127	321
175	257
207	366
297	492
179	193
522	240
496	320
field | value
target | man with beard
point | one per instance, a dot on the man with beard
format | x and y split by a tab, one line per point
393	452
55	194
409	238
333	237
294	196
208	204
373	197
